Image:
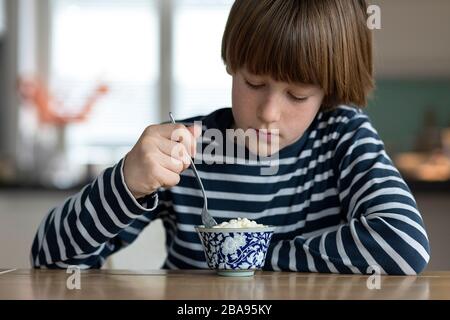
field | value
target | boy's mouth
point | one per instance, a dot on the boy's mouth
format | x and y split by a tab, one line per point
266	135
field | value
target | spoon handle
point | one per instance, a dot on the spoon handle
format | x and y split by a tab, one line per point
194	169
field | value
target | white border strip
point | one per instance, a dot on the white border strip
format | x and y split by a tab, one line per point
7	271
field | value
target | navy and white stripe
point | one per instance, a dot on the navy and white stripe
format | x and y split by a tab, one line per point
337	200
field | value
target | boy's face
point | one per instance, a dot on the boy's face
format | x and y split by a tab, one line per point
283	109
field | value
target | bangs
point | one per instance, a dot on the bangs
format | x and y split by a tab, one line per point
324	43
271	45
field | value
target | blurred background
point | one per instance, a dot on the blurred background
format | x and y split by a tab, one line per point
81	79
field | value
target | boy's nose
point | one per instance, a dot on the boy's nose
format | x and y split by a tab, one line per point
269	111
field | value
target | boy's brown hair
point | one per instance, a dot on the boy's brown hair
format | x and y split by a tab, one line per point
321	42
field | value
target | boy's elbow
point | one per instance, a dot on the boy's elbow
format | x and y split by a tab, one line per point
417	263
420	263
416	267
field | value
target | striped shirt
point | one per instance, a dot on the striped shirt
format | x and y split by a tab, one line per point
338	203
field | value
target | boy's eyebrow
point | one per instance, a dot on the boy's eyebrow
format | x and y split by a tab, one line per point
247	74
306	88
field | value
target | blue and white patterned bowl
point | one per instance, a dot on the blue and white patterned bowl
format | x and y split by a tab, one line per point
235	251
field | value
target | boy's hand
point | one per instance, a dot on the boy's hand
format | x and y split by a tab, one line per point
160	155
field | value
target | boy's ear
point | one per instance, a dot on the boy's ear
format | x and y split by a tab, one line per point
229	70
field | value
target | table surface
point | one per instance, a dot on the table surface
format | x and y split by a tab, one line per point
205	284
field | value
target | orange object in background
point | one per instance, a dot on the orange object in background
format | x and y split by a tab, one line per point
434	166
38	94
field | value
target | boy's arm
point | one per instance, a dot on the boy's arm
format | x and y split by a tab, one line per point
382	227
93	224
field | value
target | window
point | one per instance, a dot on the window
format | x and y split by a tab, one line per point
118	41
201	83
115	41
2	17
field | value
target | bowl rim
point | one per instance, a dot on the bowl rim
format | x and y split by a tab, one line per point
231	230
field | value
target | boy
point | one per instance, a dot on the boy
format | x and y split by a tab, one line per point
337	201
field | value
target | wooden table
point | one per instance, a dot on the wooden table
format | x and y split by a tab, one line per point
205	284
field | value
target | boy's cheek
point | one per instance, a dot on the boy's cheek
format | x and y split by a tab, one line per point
245	104
242	115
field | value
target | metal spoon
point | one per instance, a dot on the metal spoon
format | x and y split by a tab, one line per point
207	220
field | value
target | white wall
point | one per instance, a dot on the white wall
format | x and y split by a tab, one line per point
413	40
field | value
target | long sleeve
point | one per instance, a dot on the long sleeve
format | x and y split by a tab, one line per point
381	225
94	223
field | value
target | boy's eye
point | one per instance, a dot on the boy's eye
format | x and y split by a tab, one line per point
254	86
298	99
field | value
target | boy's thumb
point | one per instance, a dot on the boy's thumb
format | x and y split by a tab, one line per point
196	130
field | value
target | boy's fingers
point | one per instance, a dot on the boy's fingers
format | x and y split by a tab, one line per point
175	150
172	164
182	135
167	178
166	130
195	130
